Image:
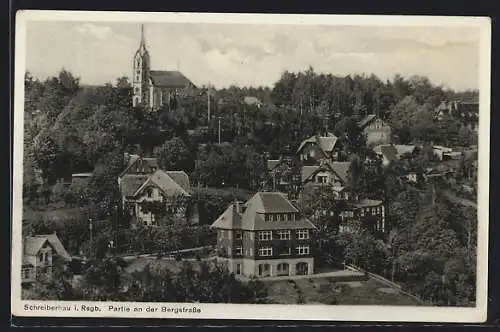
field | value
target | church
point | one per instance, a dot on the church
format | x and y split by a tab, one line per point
155	88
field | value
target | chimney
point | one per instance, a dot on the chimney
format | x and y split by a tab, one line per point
237	206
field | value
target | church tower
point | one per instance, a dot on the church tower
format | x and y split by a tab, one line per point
141	74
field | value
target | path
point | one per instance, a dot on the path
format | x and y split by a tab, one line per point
339	273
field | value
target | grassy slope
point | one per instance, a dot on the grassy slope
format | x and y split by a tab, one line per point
325	291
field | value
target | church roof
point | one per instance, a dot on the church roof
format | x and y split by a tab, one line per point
169	79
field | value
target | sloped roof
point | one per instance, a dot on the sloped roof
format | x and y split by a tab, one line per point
229	219
253	217
130	183
341	168
402	149
366	120
165	183
57	245
326	143
367	203
169	79
272	164
307	171
181	178
133	159
32	245
250	100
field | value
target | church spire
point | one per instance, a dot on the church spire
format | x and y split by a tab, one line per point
143	39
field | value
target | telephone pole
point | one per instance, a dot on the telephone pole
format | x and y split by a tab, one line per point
219	128
208	102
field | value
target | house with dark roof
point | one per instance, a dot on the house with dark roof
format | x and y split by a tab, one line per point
334	173
150	193
370	212
155	88
392	152
283	175
151	199
266	236
39	255
465	110
375	130
316	148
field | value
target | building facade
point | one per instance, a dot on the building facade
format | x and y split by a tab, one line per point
317	148
155	88
265	237
39	255
151	196
371	213
375	130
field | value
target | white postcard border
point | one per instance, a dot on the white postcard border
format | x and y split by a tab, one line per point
252	311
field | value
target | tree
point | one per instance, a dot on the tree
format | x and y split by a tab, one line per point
174	155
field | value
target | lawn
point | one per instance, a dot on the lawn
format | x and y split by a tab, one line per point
55	212
327	291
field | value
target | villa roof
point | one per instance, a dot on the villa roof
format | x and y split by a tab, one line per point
253	216
33	244
132	159
366	120
130	183
165	183
326	143
367	203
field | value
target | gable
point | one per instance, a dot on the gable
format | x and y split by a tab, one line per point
139	165
164	183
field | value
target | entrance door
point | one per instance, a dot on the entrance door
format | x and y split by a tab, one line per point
264	270
283	269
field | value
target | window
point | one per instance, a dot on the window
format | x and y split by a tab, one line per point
286	251
238	251
285	217
302	250
362	212
41	257
303	234
265	236
266	251
238	269
312	153
278	217
268	217
238	235
291	216
284	235
149	191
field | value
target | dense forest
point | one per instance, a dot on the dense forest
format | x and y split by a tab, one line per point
70	128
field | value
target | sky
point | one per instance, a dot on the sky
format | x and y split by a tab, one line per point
243	55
